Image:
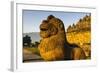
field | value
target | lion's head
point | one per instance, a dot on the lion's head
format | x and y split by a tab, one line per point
51	26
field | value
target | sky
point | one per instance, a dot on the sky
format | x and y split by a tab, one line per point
33	18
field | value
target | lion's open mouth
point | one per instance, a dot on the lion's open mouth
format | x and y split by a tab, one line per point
43	29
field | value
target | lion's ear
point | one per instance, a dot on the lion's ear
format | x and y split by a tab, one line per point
61	26
50	17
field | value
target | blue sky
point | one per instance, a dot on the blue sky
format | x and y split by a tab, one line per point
32	18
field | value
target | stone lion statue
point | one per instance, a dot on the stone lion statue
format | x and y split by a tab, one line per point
54	45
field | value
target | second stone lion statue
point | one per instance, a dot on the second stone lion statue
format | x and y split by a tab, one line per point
54	45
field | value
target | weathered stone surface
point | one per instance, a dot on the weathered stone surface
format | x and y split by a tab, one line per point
54	45
80	34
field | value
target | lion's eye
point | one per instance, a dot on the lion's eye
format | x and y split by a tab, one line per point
45	21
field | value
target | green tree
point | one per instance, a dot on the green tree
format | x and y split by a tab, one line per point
27	41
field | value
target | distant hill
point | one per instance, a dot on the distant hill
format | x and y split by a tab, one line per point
34	36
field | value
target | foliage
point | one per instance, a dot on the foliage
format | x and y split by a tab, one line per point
27	41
